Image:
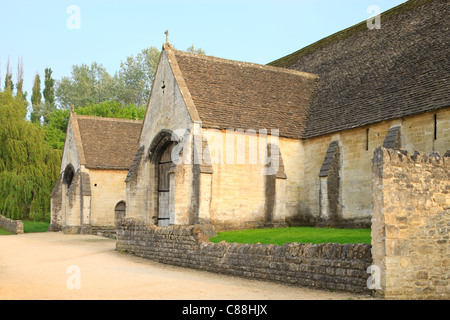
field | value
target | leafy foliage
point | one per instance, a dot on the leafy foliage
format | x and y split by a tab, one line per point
55	129
92	84
88	85
113	109
135	77
192	49
29	167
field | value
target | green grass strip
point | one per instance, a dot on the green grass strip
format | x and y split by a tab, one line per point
295	234
3	232
35	226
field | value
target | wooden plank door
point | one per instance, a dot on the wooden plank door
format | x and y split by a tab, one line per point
120	211
164	166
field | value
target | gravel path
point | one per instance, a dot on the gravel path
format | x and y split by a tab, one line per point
45	266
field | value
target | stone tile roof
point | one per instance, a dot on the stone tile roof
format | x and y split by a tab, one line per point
238	95
107	143
368	76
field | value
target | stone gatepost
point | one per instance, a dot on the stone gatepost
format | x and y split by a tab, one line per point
411	215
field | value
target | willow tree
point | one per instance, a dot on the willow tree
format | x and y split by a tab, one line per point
29	167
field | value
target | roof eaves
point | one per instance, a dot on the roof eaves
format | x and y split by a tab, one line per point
77	136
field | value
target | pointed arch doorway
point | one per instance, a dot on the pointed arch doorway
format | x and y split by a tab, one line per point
164	165
120	211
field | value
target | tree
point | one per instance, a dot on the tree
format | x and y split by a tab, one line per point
49	95
191	49
55	129
36	102
8	78
49	90
20	92
87	85
29	167
135	77
130	85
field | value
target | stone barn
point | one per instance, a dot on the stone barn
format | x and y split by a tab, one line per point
377	87
89	196
242	145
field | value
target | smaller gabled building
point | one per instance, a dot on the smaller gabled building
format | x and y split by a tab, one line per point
89	195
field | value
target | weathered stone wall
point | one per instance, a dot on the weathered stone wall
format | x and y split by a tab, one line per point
107	190
241	195
73	205
410	224
14	226
57	206
325	266
59	199
417	132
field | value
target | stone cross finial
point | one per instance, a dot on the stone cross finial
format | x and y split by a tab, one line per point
167	36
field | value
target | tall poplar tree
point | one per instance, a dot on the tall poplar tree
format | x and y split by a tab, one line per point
49	95
36	98
20	92
8	78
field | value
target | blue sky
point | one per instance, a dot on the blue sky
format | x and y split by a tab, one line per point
258	31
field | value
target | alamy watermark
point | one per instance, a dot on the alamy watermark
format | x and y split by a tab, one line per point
231	146
374	281
374	22
73	22
74	280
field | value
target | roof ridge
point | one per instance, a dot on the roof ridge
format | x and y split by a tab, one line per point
106	118
245	64
347	32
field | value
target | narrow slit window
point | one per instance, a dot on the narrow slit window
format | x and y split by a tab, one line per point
367	139
435	127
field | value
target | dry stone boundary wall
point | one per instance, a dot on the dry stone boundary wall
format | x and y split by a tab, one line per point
14	226
410	239
323	266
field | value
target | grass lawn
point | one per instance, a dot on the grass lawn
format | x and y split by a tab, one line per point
3	232
296	234
35	226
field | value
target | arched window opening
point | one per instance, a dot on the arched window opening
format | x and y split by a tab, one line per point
69	173
164	164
